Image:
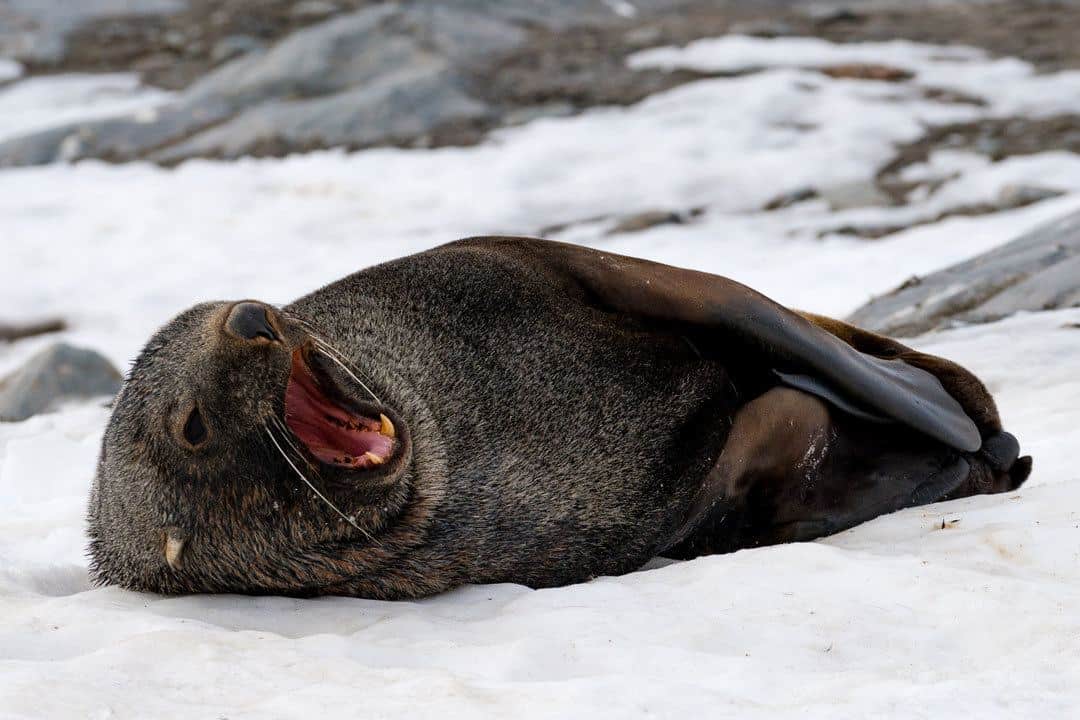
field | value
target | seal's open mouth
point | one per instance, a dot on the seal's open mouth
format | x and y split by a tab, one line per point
332	433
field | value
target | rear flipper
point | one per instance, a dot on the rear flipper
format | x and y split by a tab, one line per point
795	469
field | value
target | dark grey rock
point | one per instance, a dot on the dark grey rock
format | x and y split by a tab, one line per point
652	218
379	75
395	107
233	46
57	374
830	13
1038	271
313	10
10	332
1014	196
319	60
792	197
115	139
764	28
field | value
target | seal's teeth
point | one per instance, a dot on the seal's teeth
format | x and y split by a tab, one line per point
386	427
174	551
373	458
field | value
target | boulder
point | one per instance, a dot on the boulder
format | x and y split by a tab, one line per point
1038	271
397	107
57	374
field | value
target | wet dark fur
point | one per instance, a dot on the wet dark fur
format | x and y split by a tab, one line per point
549	440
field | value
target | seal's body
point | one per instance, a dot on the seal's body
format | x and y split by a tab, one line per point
511	410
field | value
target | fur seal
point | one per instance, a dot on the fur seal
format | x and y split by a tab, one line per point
515	410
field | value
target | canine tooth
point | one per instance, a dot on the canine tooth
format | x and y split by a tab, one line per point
174	551
386	427
373	458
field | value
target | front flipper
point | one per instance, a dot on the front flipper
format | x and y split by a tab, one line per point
727	318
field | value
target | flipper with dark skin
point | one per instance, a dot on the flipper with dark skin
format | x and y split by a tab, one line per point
840	425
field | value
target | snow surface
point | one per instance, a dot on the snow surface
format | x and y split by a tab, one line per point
9	70
51	101
971	606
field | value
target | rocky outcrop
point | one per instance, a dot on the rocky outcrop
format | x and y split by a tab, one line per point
271	77
391	73
36	30
1038	271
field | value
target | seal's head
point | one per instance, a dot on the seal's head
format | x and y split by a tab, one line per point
244	454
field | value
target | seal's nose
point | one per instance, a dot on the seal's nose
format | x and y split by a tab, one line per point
250	321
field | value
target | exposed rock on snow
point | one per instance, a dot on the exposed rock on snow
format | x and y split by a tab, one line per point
60	372
353	80
1037	271
391	73
652	218
35	30
18	331
232	46
792	197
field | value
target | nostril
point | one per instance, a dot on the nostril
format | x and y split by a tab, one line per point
249	321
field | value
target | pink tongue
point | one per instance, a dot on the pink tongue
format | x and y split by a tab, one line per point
311	416
329	442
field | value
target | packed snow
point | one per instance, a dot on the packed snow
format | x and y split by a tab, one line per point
9	70
969	606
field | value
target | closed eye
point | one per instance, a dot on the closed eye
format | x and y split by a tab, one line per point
195	432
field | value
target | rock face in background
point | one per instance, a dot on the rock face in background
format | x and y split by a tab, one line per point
57	374
1037	271
271	77
36	30
388	74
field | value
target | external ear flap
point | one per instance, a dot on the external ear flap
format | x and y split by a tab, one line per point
790	343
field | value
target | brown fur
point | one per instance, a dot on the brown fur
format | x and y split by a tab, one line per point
563	413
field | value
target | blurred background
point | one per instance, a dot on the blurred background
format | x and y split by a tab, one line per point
909	164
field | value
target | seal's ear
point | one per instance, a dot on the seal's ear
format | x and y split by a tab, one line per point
802	353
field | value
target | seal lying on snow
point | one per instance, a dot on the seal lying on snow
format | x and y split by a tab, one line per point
515	410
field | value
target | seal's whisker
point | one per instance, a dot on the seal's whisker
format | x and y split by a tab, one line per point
311	485
286	434
334	355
